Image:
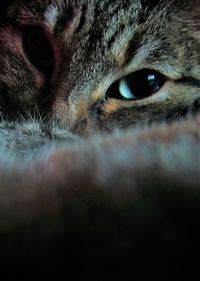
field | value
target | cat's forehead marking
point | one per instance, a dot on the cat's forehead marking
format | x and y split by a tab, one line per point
51	16
120	47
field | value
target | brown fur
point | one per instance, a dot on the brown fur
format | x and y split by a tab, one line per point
92	185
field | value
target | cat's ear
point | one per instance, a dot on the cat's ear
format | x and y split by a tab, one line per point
4	5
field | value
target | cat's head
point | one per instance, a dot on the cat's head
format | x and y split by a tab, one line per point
95	65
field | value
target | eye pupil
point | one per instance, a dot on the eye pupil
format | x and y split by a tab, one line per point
137	85
38	49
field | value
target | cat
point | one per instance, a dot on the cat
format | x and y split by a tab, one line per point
99	137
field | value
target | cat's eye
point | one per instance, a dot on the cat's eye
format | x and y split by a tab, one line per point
137	85
38	49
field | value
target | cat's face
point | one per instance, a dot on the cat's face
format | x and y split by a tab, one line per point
94	65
